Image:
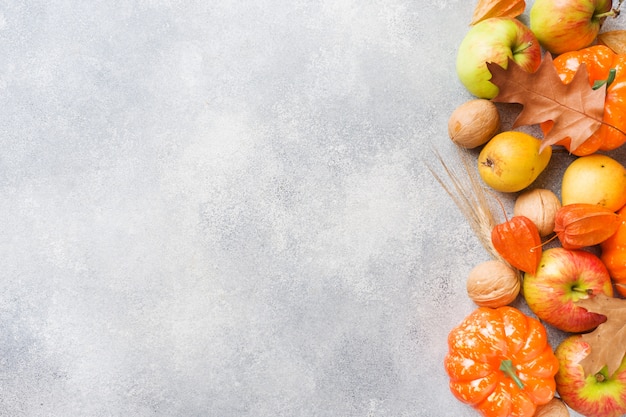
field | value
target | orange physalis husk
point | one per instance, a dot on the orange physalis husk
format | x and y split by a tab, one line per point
579	225
518	241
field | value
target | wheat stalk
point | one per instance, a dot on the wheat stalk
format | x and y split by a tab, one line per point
470	197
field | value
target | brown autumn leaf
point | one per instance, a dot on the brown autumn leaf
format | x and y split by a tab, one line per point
614	39
575	108
608	340
497	8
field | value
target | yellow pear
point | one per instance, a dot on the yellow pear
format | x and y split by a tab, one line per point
595	179
511	161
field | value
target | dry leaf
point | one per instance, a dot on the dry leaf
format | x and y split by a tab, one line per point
608	340
497	8
614	39
575	108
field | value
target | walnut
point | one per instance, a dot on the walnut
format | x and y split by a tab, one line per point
555	408
540	206
473	123
493	284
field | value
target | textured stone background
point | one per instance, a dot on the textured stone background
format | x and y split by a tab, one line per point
222	208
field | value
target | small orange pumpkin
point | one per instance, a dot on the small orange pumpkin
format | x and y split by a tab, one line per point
500	362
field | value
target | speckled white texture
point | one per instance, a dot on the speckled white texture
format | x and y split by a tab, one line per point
221	208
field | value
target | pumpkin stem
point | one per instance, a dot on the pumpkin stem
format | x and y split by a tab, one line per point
599	83
507	367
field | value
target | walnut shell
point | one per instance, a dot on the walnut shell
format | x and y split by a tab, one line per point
493	284
554	408
473	123
540	206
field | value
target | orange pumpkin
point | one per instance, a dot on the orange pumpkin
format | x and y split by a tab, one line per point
614	254
500	363
599	61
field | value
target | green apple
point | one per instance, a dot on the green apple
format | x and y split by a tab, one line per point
565	276
511	161
568	25
598	395
495	40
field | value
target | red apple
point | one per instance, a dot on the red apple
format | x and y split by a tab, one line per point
564	276
568	25
599	395
495	40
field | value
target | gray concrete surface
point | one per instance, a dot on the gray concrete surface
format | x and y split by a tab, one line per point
222	208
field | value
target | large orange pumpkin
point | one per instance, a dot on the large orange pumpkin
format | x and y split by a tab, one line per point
599	61
614	254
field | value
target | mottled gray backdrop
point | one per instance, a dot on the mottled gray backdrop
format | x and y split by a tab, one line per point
222	208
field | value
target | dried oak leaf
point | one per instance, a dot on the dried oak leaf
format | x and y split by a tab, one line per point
575	108
497	8
614	39
608	341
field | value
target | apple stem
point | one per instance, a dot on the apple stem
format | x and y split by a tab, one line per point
587	291
610	13
507	367
600	377
523	47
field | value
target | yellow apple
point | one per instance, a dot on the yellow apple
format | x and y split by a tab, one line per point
511	161
594	179
496	40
